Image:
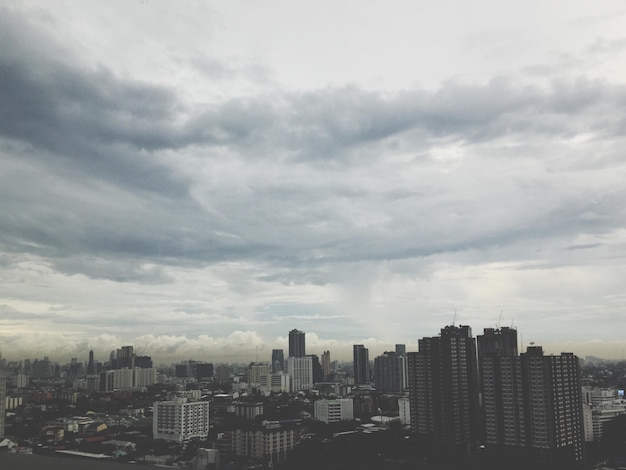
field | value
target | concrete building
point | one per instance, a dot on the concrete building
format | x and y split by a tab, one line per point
255	371
404	411
277	383
388	373
269	444
297	345
278	361
443	392
127	379
3	402
326	370
361	362
300	370
334	411
180	420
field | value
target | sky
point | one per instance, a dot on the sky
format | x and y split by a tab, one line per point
198	178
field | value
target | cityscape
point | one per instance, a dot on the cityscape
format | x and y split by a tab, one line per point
459	401
312	235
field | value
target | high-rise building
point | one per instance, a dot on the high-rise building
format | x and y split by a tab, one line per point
180	420
361	364
400	349
91	366
531	403
3	402
300	370
443	392
553	399
500	375
125	357
255	371
278	361
388	372
318	374
326	364
297	346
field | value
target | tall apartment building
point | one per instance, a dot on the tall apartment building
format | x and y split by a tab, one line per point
500	370
326	364
180	420
270	444
443	391
553	400
388	372
300	371
297	346
361	361
333	411
532	404
3	402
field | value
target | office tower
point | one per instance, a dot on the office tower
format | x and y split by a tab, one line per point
334	411
204	370
388	372
143	362
255	371
3	402
125	358
318	375
278	361
297	346
300	370
91	367
326	364
361	364
443	392
500	375
180	420
400	349
553	411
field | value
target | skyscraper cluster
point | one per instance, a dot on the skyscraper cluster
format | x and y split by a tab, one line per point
467	396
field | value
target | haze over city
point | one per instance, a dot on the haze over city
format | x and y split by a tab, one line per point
198	179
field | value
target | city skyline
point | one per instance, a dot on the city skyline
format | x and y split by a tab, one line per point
198	180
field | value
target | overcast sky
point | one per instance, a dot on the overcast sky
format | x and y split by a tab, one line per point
199	178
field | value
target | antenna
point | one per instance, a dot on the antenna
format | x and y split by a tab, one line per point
454	319
500	319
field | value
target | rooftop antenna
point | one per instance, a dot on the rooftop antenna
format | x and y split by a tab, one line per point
500	319
454	319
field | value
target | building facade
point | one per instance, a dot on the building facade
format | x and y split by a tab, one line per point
334	411
443	392
297	343
388	373
300	371
361	363
180	420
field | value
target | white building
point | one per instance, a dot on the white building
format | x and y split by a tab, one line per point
333	411
276	383
404	410
180	420
300	370
127	379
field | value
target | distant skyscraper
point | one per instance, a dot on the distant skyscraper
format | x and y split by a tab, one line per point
297	346
443	392
3	402
125	358
326	364
361	362
388	373
91	366
400	349
278	361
